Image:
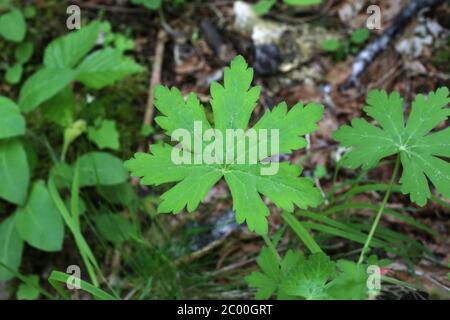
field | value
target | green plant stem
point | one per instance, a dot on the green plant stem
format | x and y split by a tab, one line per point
380	211
272	247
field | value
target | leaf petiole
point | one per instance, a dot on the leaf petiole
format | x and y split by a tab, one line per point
380	211
271	247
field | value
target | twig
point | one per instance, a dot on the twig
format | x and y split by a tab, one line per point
214	38
201	252
156	76
233	266
168	28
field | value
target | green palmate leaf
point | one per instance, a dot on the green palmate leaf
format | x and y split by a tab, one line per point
10	249
12	26
104	67
163	170
65	52
309	277
104	135
39	222
11	121
99	168
312	277
42	86
351	282
420	151
295	277
269	279
14	171
27	291
232	105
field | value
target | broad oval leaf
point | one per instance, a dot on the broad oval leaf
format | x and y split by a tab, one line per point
24	52
39	222
104	67
14	171
11	247
12	26
66	51
14	73
43	85
12	122
100	168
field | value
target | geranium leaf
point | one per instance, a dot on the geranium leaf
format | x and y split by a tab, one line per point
420	151
232	106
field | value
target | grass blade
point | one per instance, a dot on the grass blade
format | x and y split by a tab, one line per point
57	278
302	233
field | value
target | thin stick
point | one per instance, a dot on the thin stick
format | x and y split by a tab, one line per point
156	76
380	211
